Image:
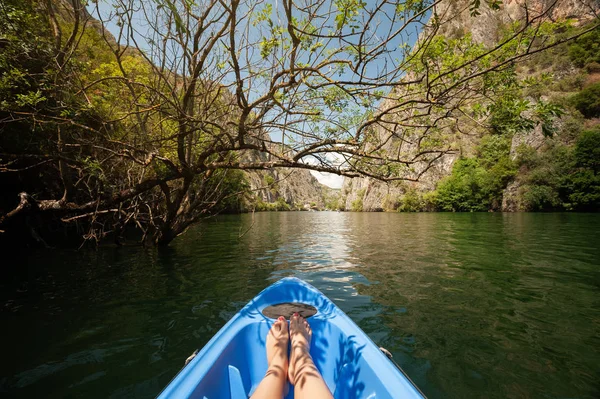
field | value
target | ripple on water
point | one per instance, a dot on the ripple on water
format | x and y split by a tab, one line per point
471	305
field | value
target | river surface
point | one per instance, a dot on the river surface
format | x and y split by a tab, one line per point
470	305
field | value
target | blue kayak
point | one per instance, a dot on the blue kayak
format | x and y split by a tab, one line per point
234	361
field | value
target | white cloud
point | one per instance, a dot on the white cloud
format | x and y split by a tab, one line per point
328	179
333	160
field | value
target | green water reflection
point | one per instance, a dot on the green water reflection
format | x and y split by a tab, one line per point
471	305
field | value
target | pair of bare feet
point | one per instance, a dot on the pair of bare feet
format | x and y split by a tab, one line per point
298	368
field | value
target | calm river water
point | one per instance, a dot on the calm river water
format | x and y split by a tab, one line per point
470	305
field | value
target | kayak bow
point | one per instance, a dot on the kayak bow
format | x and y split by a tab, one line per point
234	361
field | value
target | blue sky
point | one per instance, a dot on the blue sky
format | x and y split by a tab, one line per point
331	180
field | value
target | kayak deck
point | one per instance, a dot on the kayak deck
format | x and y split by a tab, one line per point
233	362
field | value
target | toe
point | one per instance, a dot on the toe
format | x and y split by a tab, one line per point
277	325
294	320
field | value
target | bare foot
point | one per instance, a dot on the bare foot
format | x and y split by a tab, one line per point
277	344
273	385
300	335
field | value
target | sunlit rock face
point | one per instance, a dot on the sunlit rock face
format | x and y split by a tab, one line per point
455	21
579	10
297	187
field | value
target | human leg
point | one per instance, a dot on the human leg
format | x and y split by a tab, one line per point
273	384
303	374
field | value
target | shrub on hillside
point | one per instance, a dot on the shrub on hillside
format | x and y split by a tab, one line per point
587	150
357	204
584	190
540	197
587	101
562	177
476	184
411	201
584	183
586	49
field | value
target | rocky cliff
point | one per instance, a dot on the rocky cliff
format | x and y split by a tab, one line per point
456	20
282	188
298	188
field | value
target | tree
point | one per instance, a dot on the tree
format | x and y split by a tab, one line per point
587	101
144	134
587	150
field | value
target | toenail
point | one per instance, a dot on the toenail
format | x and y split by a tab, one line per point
296	314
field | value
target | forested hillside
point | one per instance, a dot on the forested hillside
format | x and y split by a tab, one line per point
530	146
520	165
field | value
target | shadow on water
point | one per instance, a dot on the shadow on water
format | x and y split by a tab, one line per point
470	305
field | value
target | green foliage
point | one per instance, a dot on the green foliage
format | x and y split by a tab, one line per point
271	184
25	56
593	67
587	101
412	7
550	179
282	205
462	191
119	124
263	15
586	49
411	201
347	11
476	184
543	174
92	167
445	54
235	187
506	115
584	190
570	83
98	111
269	180
546	113
268	46
357	204
541	197
390	203
335	98
582	186
587	150
475	4
562	177
30	99
278	205
333	199
493	149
